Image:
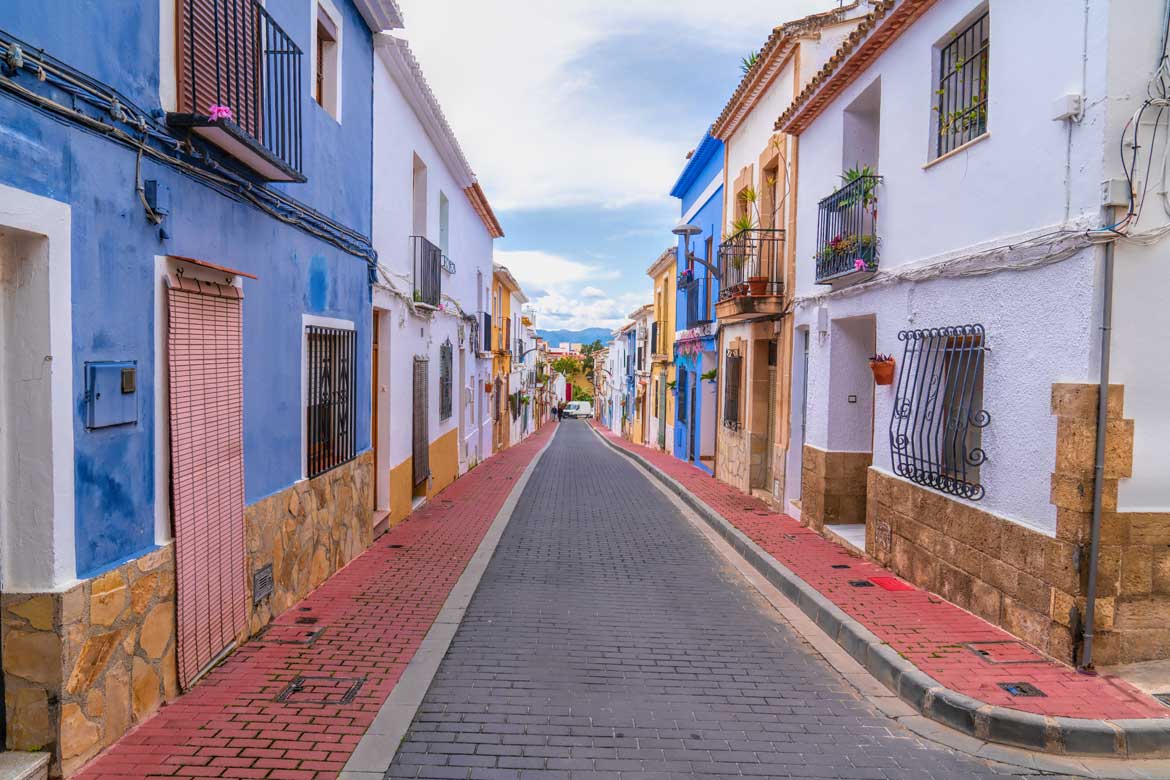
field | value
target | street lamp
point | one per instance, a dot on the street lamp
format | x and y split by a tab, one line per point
689	231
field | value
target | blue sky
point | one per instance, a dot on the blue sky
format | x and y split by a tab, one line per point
577	117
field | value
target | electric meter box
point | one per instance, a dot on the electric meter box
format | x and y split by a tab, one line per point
111	393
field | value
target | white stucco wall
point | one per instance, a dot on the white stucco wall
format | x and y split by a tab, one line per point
1031	175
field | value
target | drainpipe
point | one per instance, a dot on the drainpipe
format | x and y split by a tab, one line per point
1086	666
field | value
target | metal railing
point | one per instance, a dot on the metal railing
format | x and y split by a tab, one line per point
427	264
698	304
847	240
487	332
332	398
235	56
961	111
751	263
655	347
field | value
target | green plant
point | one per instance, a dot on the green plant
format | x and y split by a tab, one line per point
748	62
868	194
709	375
417	296
671	384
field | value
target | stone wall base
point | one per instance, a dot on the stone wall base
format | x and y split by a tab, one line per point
307	533
83	666
832	487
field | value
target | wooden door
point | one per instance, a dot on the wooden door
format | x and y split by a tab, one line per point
420	447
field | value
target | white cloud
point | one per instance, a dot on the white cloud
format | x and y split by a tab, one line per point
510	77
593	292
565	303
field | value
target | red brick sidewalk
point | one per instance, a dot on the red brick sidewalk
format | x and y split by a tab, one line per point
369	619
925	629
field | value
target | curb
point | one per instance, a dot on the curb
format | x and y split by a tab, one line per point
375	752
1123	738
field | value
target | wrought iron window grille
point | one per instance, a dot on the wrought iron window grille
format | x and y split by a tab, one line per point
427	265
447	264
961	95
445	359
332	398
733	361
937	418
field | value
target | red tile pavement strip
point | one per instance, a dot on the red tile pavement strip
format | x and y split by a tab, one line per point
924	628
372	615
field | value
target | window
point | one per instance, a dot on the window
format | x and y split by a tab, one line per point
733	368
445	380
682	395
961	95
331	398
938	416
327	59
444	224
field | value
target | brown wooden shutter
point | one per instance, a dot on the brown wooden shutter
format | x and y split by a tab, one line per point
219	59
420	449
205	357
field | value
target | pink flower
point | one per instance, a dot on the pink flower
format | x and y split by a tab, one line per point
218	112
859	264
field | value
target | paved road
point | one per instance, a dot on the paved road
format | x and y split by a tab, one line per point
608	640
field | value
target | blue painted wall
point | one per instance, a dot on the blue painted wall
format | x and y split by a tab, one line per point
704	167
113	250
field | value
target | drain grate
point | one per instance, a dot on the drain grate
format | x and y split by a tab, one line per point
1163	697
321	690
1021	689
841	566
1005	652
396	546
861	583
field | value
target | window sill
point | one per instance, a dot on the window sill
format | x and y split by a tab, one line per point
956	151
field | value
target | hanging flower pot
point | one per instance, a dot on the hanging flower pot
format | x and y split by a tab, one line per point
882	367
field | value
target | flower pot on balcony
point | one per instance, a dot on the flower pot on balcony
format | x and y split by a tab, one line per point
883	371
487	387
757	285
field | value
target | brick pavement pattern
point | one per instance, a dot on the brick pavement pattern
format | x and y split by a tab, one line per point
608	640
927	630
363	624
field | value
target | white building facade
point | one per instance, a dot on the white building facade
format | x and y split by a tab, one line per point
949	217
434	232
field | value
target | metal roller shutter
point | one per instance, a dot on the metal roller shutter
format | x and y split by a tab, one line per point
205	356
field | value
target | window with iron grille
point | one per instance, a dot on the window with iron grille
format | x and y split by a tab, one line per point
445	380
961	95
733	367
331	400
938	417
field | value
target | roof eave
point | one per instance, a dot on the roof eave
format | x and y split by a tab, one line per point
380	15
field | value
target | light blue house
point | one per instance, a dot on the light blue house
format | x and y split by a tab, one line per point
185	211
699	188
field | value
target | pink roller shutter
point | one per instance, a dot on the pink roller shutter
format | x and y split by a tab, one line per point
207	468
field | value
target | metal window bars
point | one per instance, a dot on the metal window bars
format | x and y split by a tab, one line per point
234	55
332	398
681	385
961	107
427	264
655	347
487	332
751	262
733	368
445	360
847	240
937	418
698	307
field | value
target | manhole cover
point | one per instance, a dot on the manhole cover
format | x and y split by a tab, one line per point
1021	689
321	690
861	583
275	634
1008	651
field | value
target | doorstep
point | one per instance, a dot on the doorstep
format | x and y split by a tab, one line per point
19	765
849	535
950	665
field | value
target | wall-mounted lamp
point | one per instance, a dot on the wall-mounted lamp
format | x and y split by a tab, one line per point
689	231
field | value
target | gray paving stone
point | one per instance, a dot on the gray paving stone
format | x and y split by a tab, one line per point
608	640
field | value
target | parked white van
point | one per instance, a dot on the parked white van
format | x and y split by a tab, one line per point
578	409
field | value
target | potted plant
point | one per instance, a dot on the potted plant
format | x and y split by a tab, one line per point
709	375
672	385
487	387
882	367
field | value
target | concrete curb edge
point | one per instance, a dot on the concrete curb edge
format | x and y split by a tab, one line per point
375	752
1131	738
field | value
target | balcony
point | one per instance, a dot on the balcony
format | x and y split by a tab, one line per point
486	320
239	80
847	240
427	264
698	301
751	273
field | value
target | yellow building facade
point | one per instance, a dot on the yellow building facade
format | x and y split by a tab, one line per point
661	389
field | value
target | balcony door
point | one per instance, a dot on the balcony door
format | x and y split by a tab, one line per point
220	45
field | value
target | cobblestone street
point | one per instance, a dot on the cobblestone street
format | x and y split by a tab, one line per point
608	639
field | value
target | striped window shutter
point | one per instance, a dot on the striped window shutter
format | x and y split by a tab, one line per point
230	28
205	357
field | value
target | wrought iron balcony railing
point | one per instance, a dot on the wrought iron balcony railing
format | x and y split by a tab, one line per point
427	264
487	332
751	263
239	80
698	302
847	240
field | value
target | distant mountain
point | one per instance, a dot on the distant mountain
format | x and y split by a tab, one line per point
586	336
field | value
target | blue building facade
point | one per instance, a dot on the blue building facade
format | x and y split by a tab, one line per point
699	189
143	192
